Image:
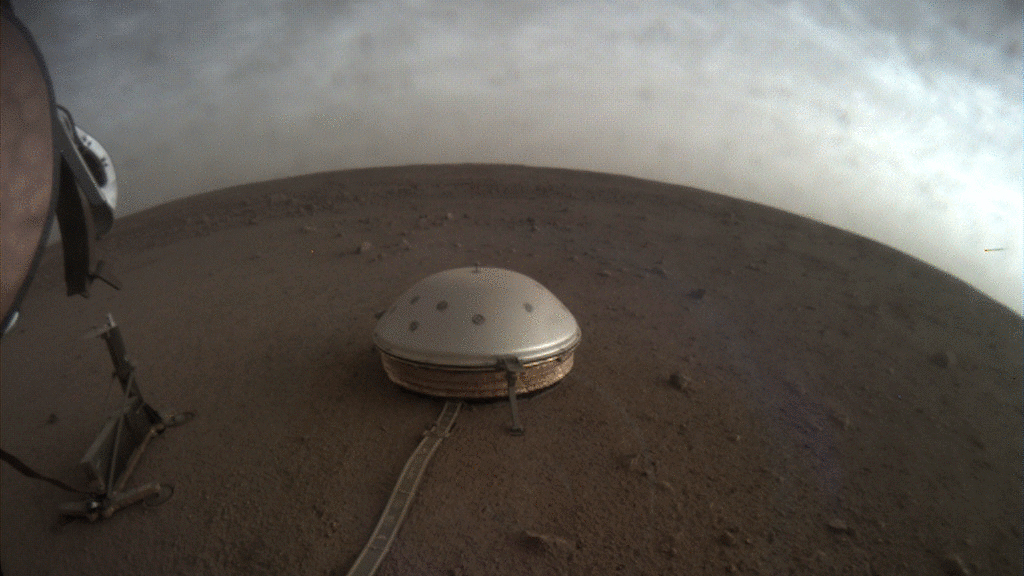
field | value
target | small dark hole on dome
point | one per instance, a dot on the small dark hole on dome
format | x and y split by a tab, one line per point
478	319
413	326
528	307
443	304
414	300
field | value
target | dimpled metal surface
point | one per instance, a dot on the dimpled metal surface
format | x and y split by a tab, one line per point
473	318
26	160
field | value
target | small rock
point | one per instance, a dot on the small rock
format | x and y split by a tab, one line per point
549	542
364	248
309	228
727	539
52	419
666	486
604	274
840	419
449	216
944	359
953	565
639	465
681	383
669	549
675	381
405	245
697	294
838	526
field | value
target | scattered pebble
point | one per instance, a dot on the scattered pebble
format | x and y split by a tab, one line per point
977	442
727	539
549	542
944	359
641	465
681	383
697	294
953	565
840	419
604	273
309	228
675	381
364	248
52	419
840	527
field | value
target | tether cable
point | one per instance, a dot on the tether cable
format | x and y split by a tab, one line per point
28	471
401	497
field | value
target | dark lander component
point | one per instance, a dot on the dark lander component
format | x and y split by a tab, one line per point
52	168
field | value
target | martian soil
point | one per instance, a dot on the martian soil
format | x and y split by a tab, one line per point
755	393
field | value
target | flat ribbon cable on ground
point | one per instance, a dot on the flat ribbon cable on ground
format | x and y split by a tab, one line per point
401	497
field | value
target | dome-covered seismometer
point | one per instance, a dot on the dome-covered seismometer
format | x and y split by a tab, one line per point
458	333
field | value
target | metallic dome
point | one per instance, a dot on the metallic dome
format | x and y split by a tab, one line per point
451	333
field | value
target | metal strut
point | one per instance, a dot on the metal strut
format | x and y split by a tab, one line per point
401	497
114	454
513	367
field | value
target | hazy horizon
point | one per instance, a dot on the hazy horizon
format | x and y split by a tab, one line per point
900	121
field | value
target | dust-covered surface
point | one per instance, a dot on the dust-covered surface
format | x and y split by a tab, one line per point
755	393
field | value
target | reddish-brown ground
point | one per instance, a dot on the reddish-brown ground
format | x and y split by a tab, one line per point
841	408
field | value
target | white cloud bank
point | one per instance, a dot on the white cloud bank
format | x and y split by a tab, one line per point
899	120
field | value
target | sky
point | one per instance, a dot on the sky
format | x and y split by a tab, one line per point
900	120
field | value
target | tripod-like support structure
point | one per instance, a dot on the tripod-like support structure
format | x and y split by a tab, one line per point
114	454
